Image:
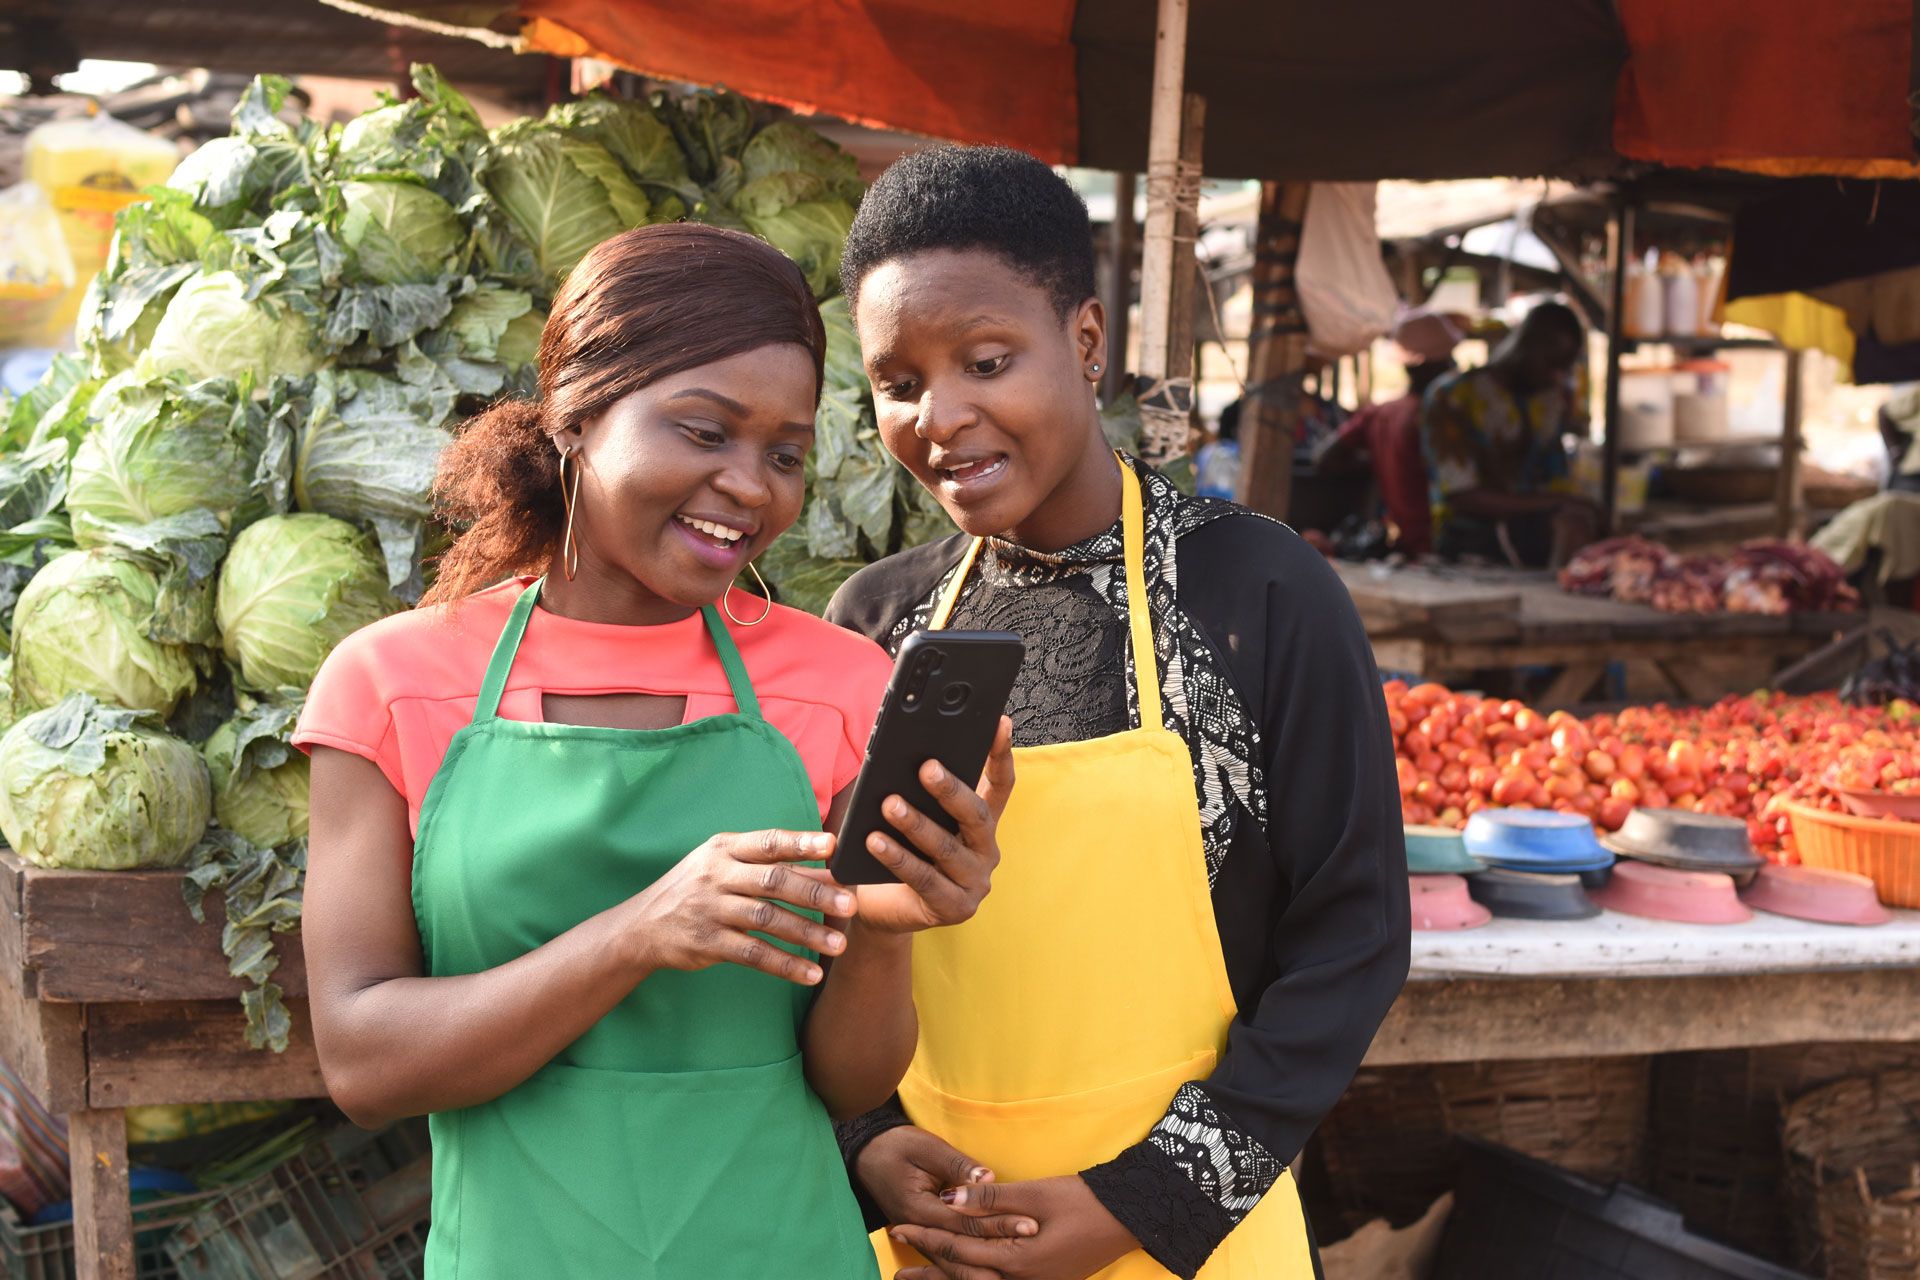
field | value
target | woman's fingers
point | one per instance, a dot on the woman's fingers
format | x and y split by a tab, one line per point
996	784
934	842
786	884
957	1257
775	846
757	953
758	915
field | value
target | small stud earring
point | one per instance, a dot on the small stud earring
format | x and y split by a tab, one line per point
1096	368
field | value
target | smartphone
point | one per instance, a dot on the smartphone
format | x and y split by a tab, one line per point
944	702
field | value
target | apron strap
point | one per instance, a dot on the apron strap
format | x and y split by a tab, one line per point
1133	541
743	696
504	649
1133	535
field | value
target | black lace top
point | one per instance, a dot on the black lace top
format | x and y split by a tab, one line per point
1269	678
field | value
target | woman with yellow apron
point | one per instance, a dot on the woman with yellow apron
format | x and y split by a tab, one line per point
563	891
1200	915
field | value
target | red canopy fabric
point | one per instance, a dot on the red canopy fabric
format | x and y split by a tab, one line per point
1716	81
1364	89
969	70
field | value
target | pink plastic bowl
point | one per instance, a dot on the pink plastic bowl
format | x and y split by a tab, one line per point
1441	903
1816	893
1661	893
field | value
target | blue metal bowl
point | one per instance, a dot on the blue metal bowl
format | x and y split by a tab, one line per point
1536	840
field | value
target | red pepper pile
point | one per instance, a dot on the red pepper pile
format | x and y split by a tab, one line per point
1743	757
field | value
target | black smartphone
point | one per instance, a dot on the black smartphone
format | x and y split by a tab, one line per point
944	702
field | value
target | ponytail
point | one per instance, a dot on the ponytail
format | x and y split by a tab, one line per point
499	485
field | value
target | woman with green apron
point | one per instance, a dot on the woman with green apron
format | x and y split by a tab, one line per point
563	891
1201	913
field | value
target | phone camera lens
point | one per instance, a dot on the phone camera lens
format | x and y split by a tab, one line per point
954	696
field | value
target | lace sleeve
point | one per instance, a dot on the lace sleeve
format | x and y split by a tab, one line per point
1189	1184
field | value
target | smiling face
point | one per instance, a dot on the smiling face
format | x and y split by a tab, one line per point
984	392
687	479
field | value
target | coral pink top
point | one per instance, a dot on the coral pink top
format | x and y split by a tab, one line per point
397	691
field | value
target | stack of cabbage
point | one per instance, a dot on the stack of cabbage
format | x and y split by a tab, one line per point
235	474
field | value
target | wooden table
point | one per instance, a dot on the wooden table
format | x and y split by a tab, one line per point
112	997
1518	989
1447	622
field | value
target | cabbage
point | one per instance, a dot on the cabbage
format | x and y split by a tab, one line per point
367	452
400	233
786	147
292	588
6	693
212	329
259	781
520	343
811	232
85	786
564	194
84	625
162	448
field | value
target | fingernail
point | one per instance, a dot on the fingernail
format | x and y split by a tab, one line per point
979	1174
952	1196
813	973
1025	1228
821	842
835	942
939	774
877	845
843	904
896	808
896	1237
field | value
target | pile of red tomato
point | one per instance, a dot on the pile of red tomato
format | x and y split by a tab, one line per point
1743	757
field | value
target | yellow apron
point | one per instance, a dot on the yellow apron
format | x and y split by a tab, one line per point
1058	1023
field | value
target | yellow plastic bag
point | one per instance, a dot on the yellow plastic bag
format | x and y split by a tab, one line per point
91	169
36	271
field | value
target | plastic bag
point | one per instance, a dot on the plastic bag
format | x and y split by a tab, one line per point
36	271
1345	292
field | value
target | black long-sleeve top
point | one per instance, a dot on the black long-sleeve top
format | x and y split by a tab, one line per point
1269	678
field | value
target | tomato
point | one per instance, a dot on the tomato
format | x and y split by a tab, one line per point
1409	776
1563	766
1397	721
1614	813
1481	778
1454	776
1571	738
1632	761
1429	764
1600	765
1625	790
1529	725
1415	742
1512	788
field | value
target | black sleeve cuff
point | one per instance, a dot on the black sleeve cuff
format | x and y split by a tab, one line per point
853	1136
1175	1221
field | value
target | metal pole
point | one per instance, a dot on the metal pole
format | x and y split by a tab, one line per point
1163	172
1123	243
1787	517
1619	252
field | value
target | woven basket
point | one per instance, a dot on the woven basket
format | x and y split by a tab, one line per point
1853	1166
1883	849
1716	1132
1387	1148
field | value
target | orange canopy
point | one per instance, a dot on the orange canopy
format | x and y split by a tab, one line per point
1362	89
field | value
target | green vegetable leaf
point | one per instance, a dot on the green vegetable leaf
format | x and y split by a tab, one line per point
77	728
564	195
386	315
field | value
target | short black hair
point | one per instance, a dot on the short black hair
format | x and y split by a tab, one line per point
1553	317
991	198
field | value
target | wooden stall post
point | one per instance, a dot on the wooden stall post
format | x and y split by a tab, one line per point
1787	519
1276	352
1618	253
1124	243
102	1213
1166	400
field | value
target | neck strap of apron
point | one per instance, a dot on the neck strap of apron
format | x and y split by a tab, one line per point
1133	541
495	685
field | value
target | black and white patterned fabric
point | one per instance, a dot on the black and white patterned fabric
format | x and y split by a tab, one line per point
1077	670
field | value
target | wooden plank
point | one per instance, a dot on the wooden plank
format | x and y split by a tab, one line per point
102	1213
1471	1020
45	1044
109	936
1419	600
147	1054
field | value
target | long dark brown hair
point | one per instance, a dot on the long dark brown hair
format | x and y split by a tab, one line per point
645	305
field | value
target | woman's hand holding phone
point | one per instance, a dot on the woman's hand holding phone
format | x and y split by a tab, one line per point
945	876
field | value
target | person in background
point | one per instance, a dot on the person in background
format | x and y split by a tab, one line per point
1386	436
1900	430
1495	440
1216	467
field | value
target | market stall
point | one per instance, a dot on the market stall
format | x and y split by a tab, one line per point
1443	623
111	997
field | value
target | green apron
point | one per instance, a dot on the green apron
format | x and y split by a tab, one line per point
677	1139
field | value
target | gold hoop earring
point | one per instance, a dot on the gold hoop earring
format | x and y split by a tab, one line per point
727	604
570	498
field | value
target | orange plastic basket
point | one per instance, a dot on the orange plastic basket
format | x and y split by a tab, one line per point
1885	850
